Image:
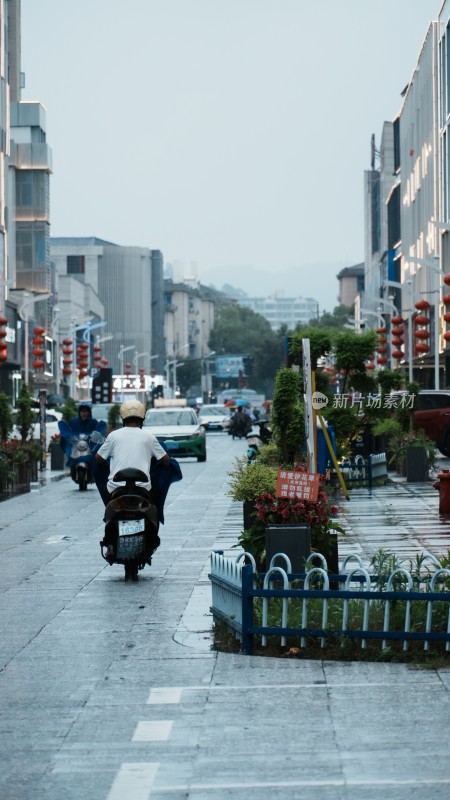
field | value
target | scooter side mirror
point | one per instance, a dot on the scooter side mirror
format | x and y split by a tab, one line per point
97	437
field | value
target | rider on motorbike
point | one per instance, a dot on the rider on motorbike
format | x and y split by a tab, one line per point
83	424
129	447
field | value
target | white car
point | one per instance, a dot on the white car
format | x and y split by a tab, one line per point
179	429
215	417
52	418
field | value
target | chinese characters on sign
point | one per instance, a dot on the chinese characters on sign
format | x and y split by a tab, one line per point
292	484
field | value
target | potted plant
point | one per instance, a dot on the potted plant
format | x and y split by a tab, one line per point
57	457
254	485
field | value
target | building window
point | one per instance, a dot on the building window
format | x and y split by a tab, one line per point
75	265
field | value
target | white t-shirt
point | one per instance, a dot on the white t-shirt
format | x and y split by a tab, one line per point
130	447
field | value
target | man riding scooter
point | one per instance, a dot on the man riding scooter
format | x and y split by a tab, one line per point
139	473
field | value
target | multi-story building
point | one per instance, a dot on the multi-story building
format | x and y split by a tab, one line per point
189	313
351	283
129	284
25	167
279	310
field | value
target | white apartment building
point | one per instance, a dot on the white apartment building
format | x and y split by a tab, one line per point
279	310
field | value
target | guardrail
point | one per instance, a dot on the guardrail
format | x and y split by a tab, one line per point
360	471
236	586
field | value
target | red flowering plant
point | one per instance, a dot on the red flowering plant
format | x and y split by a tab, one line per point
15	452
272	510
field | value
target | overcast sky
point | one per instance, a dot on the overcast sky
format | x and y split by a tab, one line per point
230	134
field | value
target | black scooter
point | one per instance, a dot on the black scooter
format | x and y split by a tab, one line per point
131	530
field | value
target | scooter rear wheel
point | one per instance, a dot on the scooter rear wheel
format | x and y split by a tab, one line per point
131	572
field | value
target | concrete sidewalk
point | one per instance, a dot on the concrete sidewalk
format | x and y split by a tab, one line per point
111	690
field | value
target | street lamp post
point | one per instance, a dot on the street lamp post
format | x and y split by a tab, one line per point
121	352
207	387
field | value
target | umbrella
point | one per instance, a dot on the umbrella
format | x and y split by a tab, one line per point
55	400
241	402
230	404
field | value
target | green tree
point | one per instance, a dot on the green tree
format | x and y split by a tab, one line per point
352	350
288	415
338	319
6	420
69	409
239	330
320	344
26	413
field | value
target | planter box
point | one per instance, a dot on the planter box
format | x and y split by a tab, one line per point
293	540
416	464
57	457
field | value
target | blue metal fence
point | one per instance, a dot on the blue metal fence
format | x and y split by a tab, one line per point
236	586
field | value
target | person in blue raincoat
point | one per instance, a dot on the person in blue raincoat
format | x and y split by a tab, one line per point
84	422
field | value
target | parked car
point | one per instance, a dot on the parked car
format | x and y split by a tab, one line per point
215	417
51	424
432	414
179	429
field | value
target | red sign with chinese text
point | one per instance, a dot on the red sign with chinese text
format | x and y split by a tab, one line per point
293	484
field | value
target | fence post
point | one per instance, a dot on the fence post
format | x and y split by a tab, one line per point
369	472
247	608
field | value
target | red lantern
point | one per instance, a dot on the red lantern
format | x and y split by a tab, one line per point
38	352
446	280
422	348
397	321
398	341
447	316
2	333
38	364
447	336
370	366
382	360
446	299
422	320
381	350
397	331
380	330
66	371
67	342
421	305
38	331
3	321
397	354
421	334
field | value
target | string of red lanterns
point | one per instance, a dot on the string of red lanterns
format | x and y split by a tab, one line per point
397	331
381	347
38	348
421	321
82	359
3	345
67	357
446	301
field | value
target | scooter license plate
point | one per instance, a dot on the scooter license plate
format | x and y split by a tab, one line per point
130	526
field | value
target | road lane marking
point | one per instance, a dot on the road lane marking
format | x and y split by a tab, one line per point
164	696
134	780
157	730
